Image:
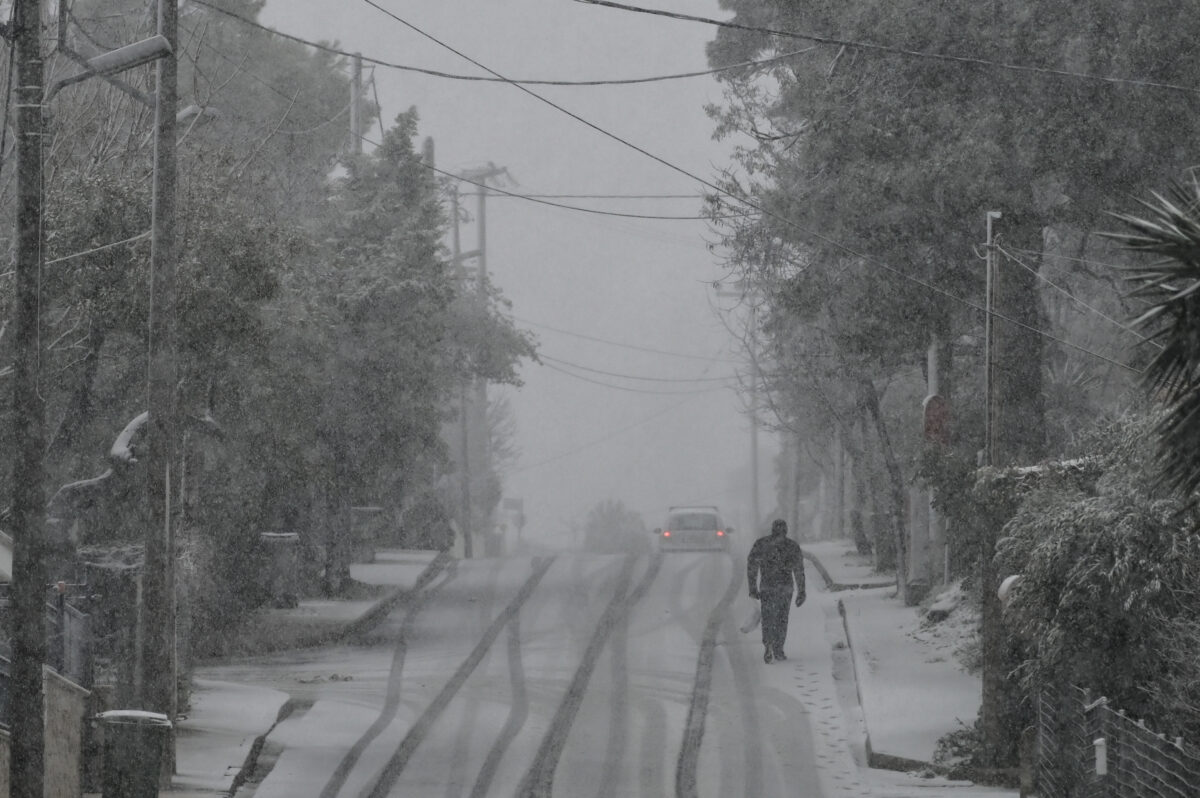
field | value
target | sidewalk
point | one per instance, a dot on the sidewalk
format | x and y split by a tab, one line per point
228	722
908	684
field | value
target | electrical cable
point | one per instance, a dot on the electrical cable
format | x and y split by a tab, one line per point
900	51
562	362
1060	256
100	248
490	189
603	384
744	200
608	436
581	209
491	79
635	347
606	196
1073	298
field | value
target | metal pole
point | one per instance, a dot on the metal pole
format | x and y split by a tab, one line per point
463	421
483	195
356	133
26	767
989	422
755	512
158	639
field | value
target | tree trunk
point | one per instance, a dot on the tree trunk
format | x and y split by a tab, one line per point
870	398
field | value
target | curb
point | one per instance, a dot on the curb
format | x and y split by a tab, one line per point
837	587
878	759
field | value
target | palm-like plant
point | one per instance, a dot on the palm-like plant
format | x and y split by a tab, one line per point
1170	229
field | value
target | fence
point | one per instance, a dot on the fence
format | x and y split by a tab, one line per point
1086	749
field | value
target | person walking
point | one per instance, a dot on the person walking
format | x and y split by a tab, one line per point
775	562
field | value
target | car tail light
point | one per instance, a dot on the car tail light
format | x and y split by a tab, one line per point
720	533
666	533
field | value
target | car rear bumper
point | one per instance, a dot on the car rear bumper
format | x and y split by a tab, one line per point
693	541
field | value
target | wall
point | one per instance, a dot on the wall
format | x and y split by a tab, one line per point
66	703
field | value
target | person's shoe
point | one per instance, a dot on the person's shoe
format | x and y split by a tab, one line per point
768	656
779	655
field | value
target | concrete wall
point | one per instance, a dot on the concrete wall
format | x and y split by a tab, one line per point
66	703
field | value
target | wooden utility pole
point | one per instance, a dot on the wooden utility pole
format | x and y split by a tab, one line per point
157	688
27	739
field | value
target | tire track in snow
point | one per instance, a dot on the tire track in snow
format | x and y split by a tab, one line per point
739	665
462	743
693	734
391	702
396	764
516	716
751	738
539	780
614	751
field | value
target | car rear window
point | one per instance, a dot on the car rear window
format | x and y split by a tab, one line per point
683	521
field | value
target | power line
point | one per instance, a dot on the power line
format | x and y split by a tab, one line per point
707	358
490	79
493	189
611	196
607	437
603	384
901	51
562	362
535	199
100	248
743	200
1073	298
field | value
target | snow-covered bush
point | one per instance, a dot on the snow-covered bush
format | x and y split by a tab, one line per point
1107	579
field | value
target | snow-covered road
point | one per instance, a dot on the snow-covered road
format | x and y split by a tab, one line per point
573	675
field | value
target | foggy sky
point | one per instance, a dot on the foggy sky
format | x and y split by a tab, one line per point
633	281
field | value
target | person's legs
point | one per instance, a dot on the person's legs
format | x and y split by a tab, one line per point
785	609
774	607
768	628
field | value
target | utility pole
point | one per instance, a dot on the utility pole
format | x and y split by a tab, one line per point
356	88
158	683
464	422
27	740
989	347
476	405
992	636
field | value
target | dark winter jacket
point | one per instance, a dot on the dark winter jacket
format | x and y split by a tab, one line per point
773	562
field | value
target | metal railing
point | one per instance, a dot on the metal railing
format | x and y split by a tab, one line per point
1086	749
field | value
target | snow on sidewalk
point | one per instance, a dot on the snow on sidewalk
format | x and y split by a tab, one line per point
844	564
215	738
393	567
913	690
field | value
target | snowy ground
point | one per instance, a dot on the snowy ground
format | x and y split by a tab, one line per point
803	727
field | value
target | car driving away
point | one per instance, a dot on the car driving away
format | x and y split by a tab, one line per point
694	527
